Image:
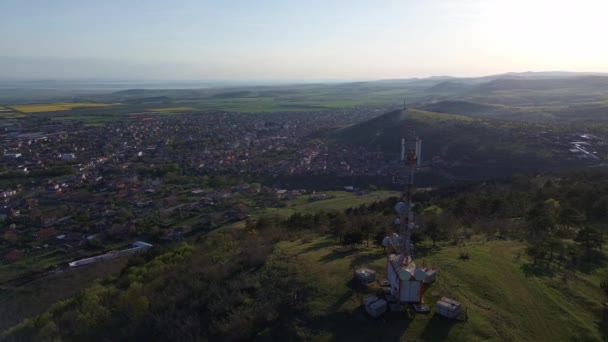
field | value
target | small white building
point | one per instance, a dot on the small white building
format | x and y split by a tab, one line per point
449	308
365	276
7	193
375	306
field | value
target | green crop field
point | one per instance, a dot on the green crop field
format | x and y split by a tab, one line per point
56	107
506	299
8	113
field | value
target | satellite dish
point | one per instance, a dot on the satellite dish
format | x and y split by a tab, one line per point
386	241
395	239
401	207
419	274
404	274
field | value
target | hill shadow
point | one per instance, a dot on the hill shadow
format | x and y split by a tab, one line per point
438	328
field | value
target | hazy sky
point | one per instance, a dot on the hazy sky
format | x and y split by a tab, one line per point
298	39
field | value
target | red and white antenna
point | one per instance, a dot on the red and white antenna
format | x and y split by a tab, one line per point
410	156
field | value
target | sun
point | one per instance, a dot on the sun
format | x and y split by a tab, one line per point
564	33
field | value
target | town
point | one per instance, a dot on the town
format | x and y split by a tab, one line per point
70	190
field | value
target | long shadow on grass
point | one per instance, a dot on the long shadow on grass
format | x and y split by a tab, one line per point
364	259
531	270
438	328
357	325
317	246
340	301
420	253
591	263
337	254
603	328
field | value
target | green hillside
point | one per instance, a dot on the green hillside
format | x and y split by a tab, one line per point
504	300
480	148
533	271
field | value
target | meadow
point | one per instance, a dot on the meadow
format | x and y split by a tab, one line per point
506	298
339	200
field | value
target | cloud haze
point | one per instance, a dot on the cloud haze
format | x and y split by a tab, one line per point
298	39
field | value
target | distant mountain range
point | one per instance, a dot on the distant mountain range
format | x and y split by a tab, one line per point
531	96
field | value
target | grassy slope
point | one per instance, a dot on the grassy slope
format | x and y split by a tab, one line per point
32	298
505	301
486	148
22	302
342	200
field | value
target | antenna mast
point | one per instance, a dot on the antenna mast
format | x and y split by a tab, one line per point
410	150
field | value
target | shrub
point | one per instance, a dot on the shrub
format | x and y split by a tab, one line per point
463	255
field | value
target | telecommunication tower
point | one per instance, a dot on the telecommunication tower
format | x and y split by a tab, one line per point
410	151
407	281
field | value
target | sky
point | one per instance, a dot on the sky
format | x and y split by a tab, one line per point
298	39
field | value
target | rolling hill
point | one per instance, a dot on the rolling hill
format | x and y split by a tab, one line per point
530	96
469	147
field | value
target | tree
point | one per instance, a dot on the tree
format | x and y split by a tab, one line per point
569	216
599	209
604	285
352	237
536	251
432	226
432	230
590	238
542	218
553	244
337	225
366	229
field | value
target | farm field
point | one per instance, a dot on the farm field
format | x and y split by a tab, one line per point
56	107
8	113
505	297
